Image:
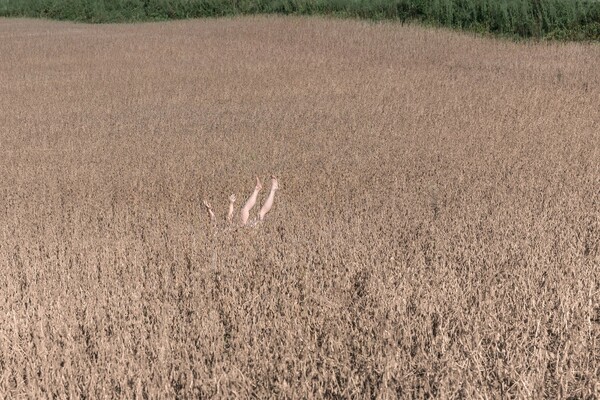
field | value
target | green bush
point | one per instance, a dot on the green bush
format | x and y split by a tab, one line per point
551	19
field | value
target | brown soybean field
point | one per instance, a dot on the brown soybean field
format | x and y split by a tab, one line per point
436	233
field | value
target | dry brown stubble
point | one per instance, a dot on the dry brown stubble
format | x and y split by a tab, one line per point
437	232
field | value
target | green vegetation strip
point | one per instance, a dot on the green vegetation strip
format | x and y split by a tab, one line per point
547	19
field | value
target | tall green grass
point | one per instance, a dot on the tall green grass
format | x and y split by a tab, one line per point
557	19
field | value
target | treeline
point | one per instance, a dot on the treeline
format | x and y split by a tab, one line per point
548	19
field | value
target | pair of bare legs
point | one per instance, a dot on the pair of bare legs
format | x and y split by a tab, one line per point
245	211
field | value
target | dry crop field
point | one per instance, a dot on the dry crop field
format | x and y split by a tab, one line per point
436	234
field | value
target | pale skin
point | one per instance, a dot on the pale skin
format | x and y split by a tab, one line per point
230	212
209	211
269	202
245	211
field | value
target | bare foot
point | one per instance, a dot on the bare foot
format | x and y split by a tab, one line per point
274	183
209	210
232	198
258	184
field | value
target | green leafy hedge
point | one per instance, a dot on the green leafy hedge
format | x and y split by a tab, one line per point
554	19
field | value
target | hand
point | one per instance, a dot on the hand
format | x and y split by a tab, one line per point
232	198
207	205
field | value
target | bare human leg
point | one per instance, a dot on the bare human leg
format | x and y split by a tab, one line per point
209	211
269	202
230	212
245	212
